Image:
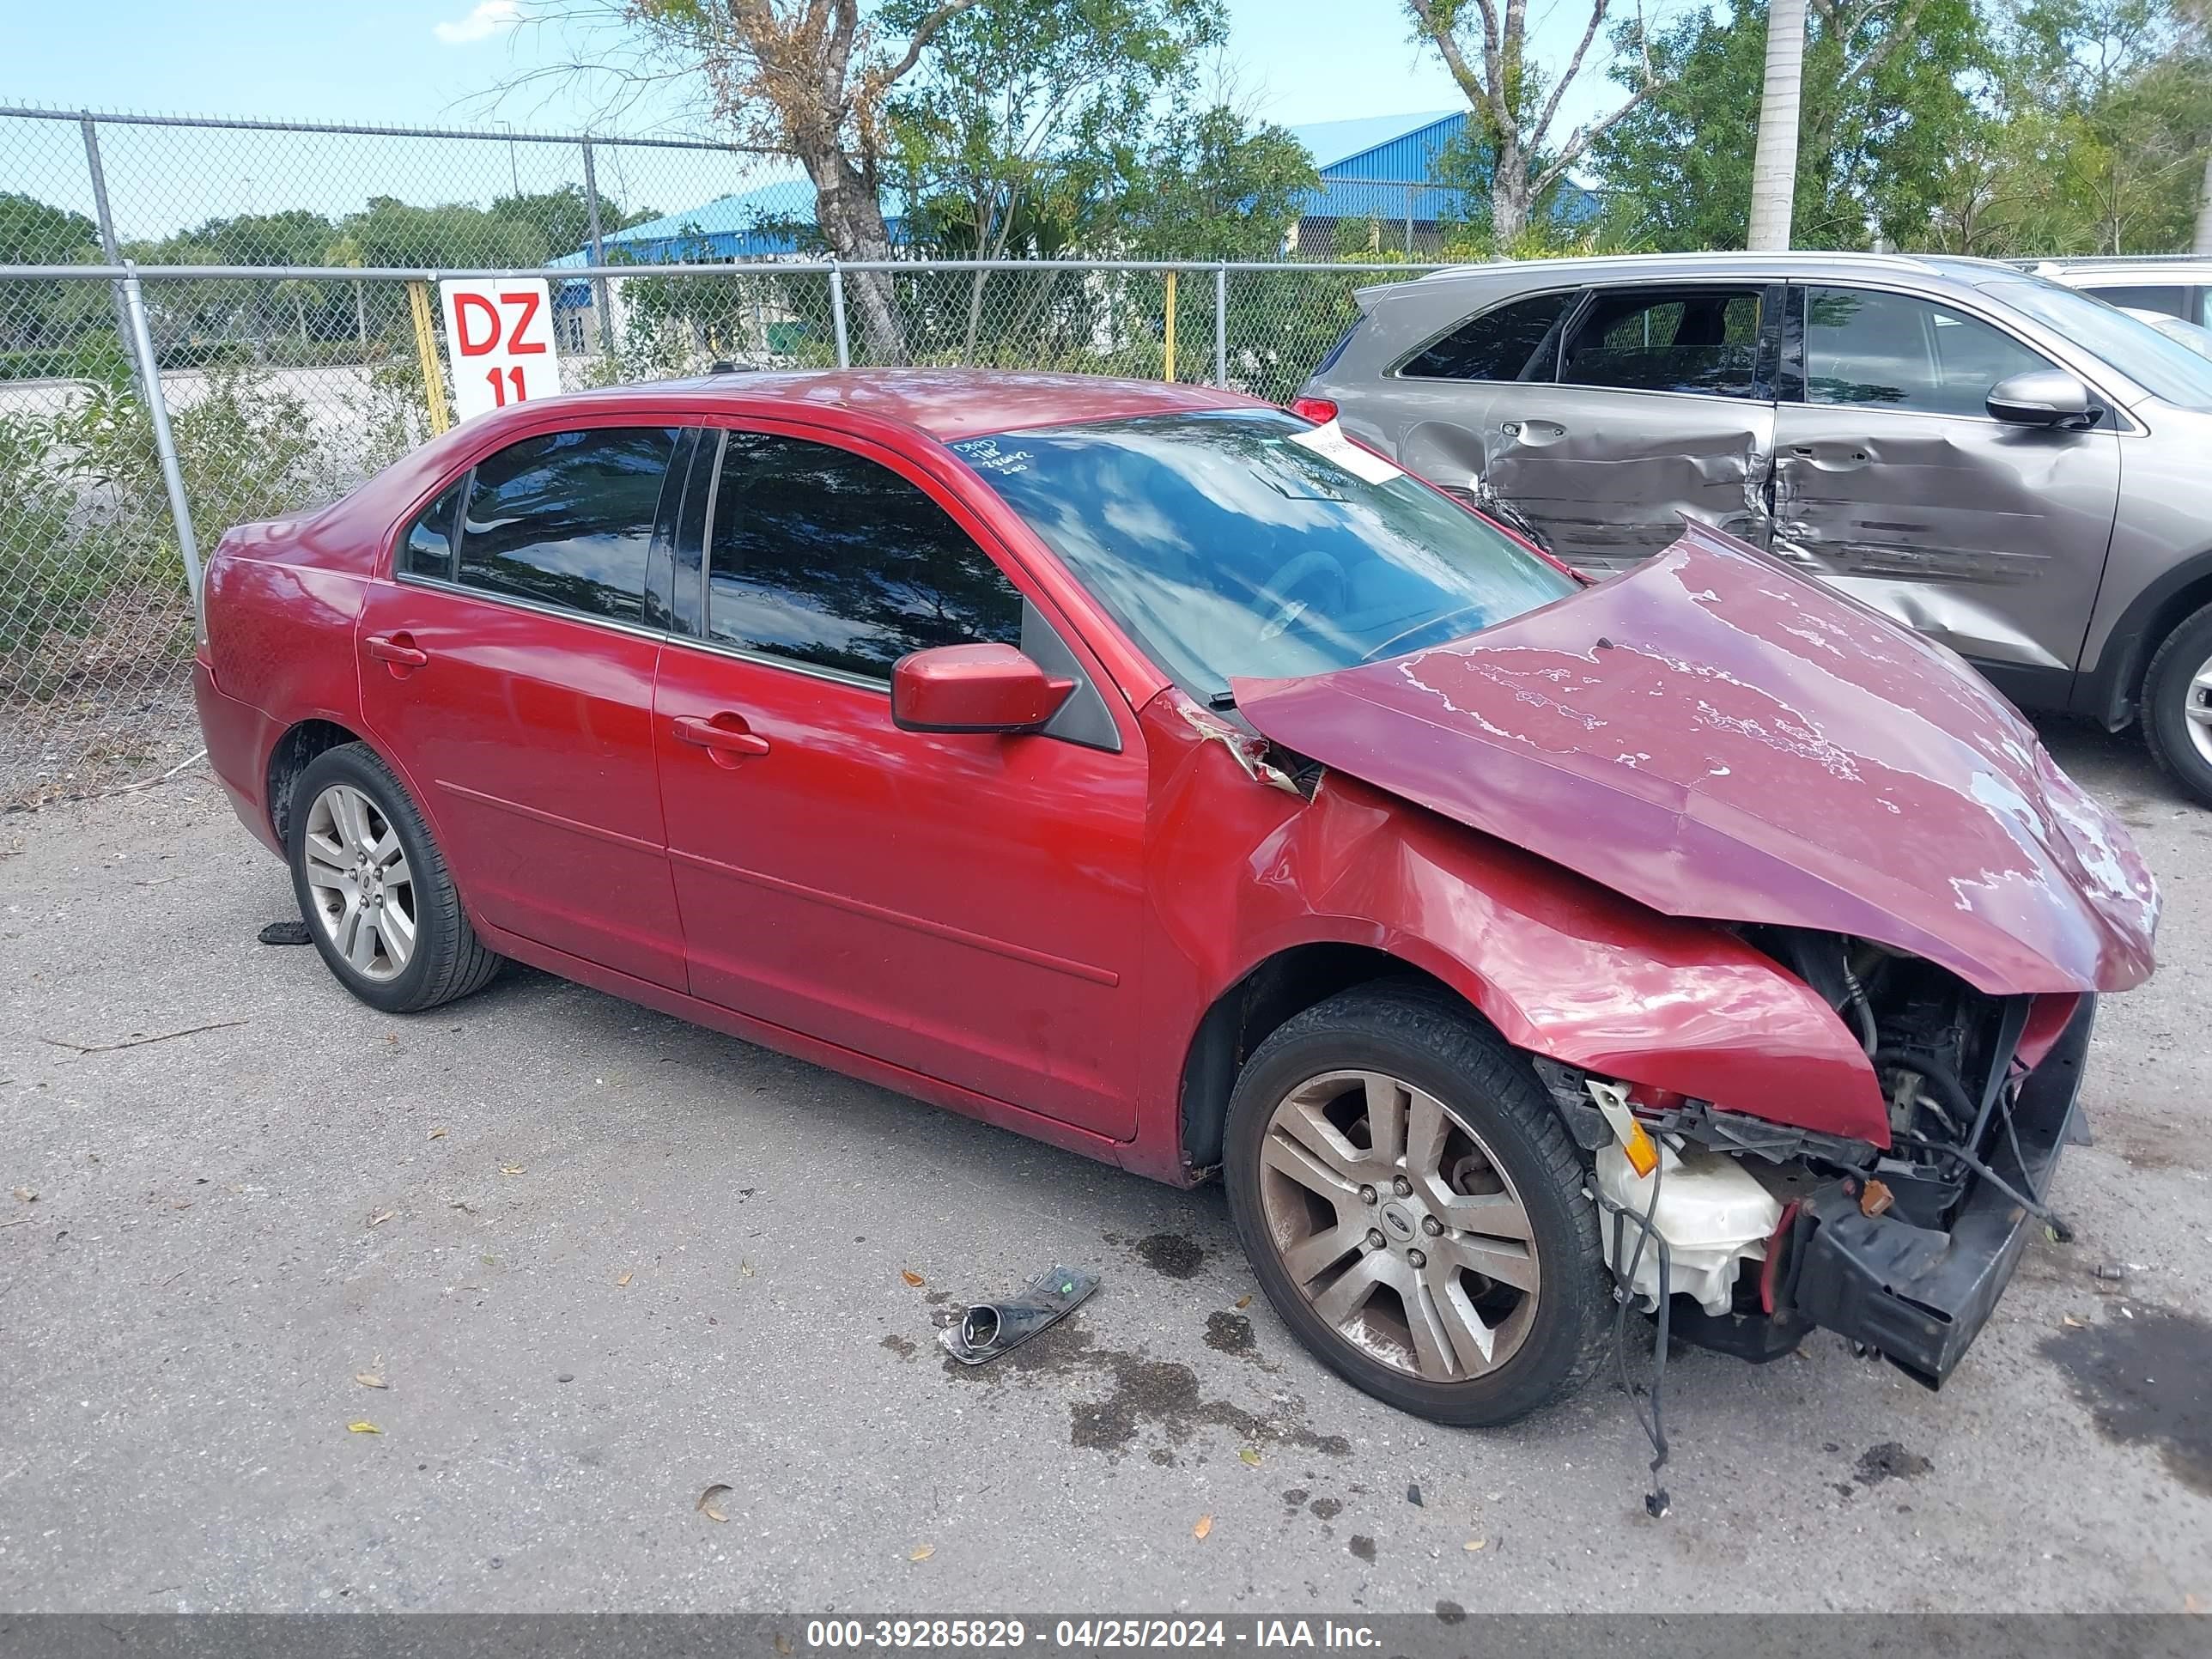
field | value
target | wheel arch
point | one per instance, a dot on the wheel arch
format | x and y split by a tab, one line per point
1286	982
291	755
2111	692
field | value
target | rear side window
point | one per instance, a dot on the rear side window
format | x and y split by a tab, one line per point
1500	344
1704	341
427	549
567	519
2172	302
1864	346
823	557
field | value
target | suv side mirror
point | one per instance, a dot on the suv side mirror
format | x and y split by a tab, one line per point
973	688
2044	396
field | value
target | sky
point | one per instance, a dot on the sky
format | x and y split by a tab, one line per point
440	63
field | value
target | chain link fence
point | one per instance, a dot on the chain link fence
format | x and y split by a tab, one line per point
281	363
279	389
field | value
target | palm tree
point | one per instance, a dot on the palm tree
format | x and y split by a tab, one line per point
1774	162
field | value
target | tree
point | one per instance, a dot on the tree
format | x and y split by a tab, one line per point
2095	137
1020	124
1883	116
1514	109
47	314
808	79
1774	163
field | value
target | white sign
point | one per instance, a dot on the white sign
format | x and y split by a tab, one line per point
499	342
1330	442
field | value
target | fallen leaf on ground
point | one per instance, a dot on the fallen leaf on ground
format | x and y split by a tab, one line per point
362	1428
710	1500
28	1195
921	1552
370	1380
1250	1456
510	1168
437	1134
2073	1324
380	1218
1204	1526
622	1280
1474	1543
913	1278
1245	1300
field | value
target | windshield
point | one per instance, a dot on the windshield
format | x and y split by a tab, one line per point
2165	368
1245	542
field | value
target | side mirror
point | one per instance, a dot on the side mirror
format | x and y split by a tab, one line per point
2044	396
973	688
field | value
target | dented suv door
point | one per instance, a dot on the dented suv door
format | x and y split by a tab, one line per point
1660	405
1893	483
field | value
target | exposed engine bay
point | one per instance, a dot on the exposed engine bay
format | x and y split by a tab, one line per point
1902	1250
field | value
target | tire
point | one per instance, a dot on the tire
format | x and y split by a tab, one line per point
1545	1341
328	848
2182	747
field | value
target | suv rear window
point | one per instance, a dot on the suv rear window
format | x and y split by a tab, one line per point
1499	345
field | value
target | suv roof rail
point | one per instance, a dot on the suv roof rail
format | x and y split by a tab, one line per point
2068	261
1795	256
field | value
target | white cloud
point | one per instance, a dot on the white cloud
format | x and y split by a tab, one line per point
488	18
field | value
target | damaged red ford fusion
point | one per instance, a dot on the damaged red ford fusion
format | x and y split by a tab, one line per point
1151	771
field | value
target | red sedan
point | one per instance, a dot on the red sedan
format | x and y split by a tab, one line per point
1154	772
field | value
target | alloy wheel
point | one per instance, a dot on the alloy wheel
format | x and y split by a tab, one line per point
1398	1225
2198	709
362	888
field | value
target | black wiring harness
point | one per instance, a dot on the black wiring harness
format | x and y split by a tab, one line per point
1656	1501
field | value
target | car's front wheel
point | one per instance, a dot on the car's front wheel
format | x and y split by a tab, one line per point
2177	705
1413	1208
373	888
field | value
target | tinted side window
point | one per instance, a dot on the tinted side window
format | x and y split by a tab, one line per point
567	519
2173	301
825	557
1497	345
1648	339
1865	347
427	549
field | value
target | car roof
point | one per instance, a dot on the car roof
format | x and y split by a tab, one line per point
945	403
2181	269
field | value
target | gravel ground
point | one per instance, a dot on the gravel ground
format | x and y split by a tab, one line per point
600	1261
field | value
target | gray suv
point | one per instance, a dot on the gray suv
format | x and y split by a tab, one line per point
2016	469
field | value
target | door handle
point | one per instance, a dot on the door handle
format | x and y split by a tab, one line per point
397	649
725	734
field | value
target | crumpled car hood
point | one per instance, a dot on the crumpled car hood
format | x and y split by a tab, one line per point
1714	736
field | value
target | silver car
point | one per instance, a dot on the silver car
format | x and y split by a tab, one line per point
2018	470
2175	287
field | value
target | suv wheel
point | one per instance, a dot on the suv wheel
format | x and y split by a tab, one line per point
2177	705
373	888
1414	1210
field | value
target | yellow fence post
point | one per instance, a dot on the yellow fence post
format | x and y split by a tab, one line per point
426	348
1167	370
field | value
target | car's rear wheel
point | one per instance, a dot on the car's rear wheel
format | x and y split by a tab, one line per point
373	888
2177	705
1414	1210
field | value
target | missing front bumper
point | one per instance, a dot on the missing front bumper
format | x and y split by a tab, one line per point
1918	1295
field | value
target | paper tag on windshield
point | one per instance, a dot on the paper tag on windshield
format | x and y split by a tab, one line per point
1327	441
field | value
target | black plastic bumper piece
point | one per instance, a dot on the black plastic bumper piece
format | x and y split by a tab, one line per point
1922	1295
